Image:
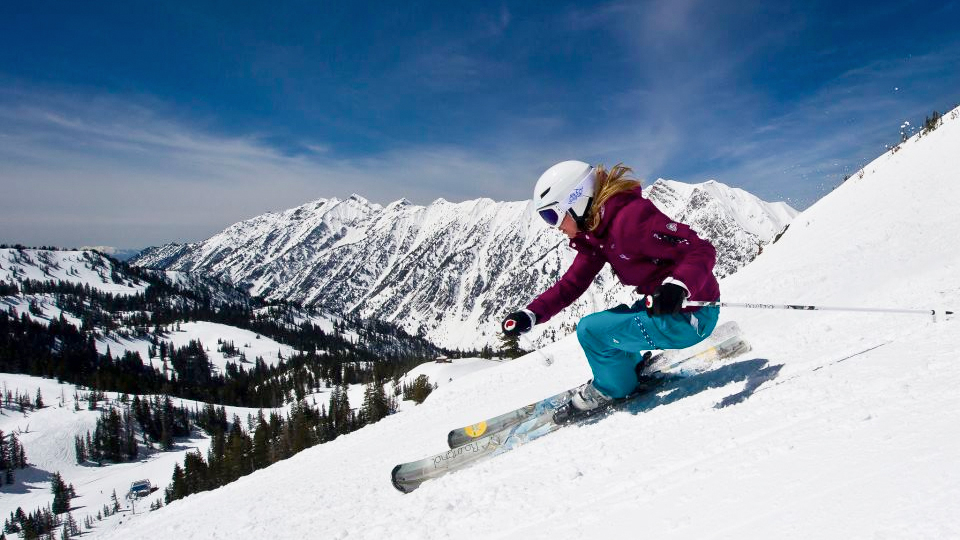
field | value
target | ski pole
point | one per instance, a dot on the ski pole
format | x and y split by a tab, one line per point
547	361
697	303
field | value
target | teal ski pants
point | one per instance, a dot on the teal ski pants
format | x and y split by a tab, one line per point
614	341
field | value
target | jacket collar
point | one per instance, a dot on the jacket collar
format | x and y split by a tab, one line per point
610	209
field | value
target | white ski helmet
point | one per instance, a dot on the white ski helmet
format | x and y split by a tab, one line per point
565	187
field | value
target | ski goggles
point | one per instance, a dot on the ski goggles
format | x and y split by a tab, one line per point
552	214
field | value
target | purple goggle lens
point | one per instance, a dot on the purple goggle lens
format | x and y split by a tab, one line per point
551	216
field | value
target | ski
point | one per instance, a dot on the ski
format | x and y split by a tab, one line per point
720	344
537	419
407	477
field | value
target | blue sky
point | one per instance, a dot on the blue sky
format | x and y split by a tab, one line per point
139	123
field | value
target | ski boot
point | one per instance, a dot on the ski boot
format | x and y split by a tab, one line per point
586	401
643	366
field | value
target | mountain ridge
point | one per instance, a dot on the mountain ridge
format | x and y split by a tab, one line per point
446	270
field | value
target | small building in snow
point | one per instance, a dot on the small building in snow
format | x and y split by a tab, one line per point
140	488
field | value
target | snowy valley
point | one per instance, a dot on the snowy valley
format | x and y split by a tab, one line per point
282	377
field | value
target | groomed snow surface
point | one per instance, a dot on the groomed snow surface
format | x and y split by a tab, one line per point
836	425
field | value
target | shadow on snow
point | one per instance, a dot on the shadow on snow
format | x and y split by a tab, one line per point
755	372
28	480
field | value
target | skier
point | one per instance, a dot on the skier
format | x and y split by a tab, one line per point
608	220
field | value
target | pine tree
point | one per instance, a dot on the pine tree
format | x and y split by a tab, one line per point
177	489
510	346
81	450
195	473
299	427
375	403
166	424
72	526
214	472
61	494
130	448
4	464
16	456
340	409
261	443
932	122
419	390
239	448
92	451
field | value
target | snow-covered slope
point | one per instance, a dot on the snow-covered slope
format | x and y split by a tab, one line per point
88	268
77	267
450	270
212	335
836	425
47	436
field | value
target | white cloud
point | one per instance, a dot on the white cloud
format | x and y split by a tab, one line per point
75	172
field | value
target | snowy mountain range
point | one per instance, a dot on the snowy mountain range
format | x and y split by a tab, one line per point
447	271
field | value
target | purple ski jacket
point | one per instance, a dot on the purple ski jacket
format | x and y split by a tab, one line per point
643	246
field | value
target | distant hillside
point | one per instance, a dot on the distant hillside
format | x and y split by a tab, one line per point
83	305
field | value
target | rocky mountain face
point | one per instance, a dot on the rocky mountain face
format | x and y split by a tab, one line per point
446	271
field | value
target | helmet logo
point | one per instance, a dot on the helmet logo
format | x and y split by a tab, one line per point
672	227
577	193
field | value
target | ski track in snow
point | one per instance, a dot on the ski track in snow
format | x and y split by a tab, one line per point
835	425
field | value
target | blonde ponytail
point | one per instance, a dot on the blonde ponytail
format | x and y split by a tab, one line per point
608	184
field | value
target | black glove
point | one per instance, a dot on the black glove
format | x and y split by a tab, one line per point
667	299
516	323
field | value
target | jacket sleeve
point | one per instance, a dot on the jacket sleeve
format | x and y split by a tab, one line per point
574	283
690	257
695	264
